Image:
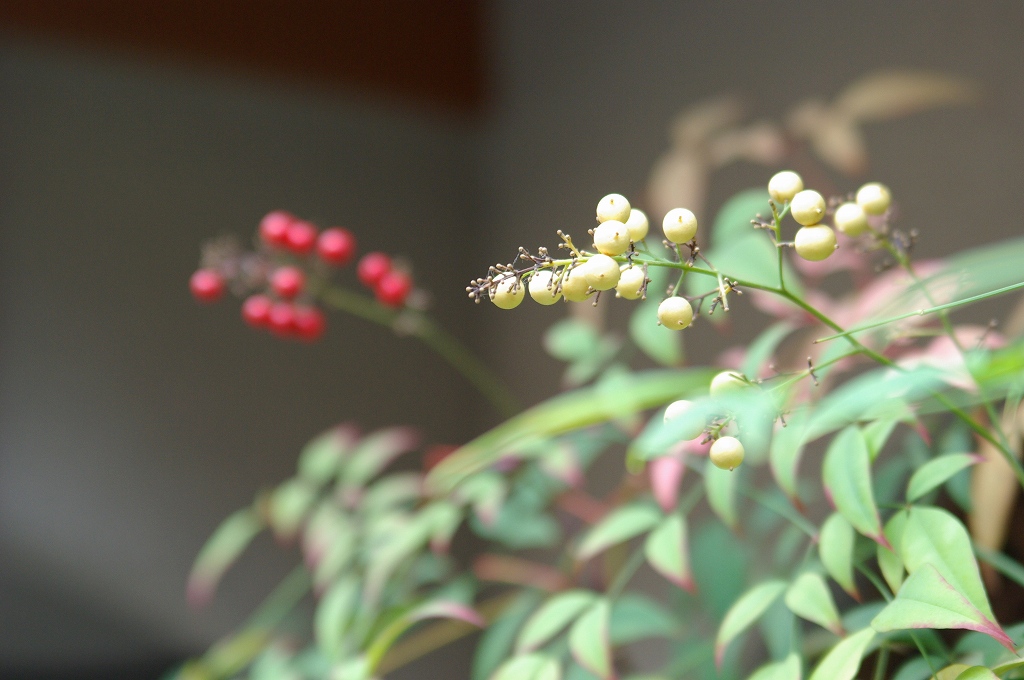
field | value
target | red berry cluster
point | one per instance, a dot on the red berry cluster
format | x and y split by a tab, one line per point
285	278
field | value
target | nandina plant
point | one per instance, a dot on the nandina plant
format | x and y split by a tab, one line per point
838	489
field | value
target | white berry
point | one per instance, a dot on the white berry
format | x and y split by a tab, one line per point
631	282
611	237
613	207
542	287
783	186
508	293
874	198
637	225
808	207
602	272
727	453
815	243
676	410
728	382
574	285
679	225
851	220
675	313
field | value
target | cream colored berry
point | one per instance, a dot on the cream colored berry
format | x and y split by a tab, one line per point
727	453
728	382
783	186
613	207
874	198
808	207
851	220
675	313
574	285
815	243
602	272
679	225
676	410
508	293
611	238
631	282
637	225
542	287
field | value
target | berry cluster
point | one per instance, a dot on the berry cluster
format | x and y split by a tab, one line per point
282	279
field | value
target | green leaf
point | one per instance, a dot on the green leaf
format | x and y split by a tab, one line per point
375	452
618	526
744	612
809	598
289	506
659	343
635	617
589	640
889	562
788	669
936	471
843	660
784	454
720	486
320	460
762	349
431	609
401	489
927	600
846	473
977	673
486	492
835	547
529	667
552	617
226	544
496	642
333	613
571	340
665	550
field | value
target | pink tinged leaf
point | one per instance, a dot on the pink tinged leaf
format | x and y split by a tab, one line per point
375	452
744	612
843	660
927	600
892	94
221	550
589	641
846	474
562	464
666	475
321	459
809	598
517	571
666	551
441	609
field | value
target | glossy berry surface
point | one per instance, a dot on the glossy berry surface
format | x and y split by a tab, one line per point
274	228
288	282
309	323
256	310
336	246
542	287
393	288
206	285
727	453
675	313
301	237
372	268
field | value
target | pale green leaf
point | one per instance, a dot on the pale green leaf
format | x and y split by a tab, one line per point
785	452
843	660
744	612
936	471
529	667
496	642
846	473
571	340
333	613
665	550
659	343
636	617
889	562
808	597
289	506
321	459
589	640
835	547
552	617
375	451
720	487
221	550
787	669
762	349
618	526
977	673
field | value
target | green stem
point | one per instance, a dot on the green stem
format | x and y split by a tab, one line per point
882	662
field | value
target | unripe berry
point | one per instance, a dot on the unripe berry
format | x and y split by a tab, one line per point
309	323
808	207
874	198
372	268
574	285
288	282
676	410
637	225
611	238
679	225
675	313
393	288
274	228
601	271
508	293
728	382
336	246
206	285
613	207
281	319
815	243
851	220
727	453
631	282
301	237
783	186
256	310
542	287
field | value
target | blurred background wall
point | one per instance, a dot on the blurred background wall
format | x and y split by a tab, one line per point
133	420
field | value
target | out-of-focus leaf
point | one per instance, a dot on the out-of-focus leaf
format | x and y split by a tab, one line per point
486	492
443	518
951	672
720	486
991	652
835	547
335	545
590	642
273	664
846	473
889	561
809	598
744	612
571	340
663	345
618	526
666	474
843	660
321	459
496	642
927	600
390	492
333	613
351	669
529	667
221	550
635	617
977	673
289	506
762	349
719	561
431	609
733	219
787	669
375	452
785	452
395	540
893	94
936	471
666	551
918	668
552	617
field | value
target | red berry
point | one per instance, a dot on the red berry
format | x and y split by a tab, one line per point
372	268
274	228
281	318
256	310
310	323
207	285
301	237
336	246
288	282
393	289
